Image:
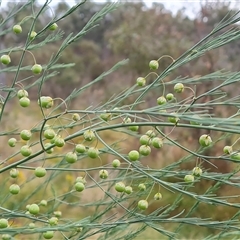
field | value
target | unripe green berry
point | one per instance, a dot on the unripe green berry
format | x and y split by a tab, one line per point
89	135
106	116
36	68
12	142
26	150
228	149
59	141
127	120
116	163
141	81
24	102
173	119
151	133
142	187
235	156
120	187
49	133
33	34
14	189
169	96
14	173
31	225
3	223
43	203
103	174
6	237
133	155
53	221
53	27
80	148
25	135
145	140
93	152
194	122
75	117
45	102
205	140
79	186
134	128
128	190
153	64
17	29
71	157
143	204
22	93
161	100
40	172
34	209
178	88
50	150
197	171
48	234
157	142
57	214
144	150
157	196
5	59
189	178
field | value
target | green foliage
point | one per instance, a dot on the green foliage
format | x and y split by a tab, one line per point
69	164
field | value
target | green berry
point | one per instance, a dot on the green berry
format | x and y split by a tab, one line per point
36	68
48	234
71	157
26	150
59	141
33	34
189	178
75	117
80	148
103	174
128	190
144	150
173	119
40	172
235	156
93	152
14	189
195	122
25	135
57	214
45	102
120	187
6	237
143	204
28	206
89	135
49	133
31	225
3	223
14	173
106	116
53	221
178	88
43	203
157	196
197	171
17	29
133	155
151	133
205	140
157	142
169	96
161	100
24	102
228	149
5	59
145	140
50	150
141	81
142	187
127	120
116	163
12	142
153	64
34	209
79	186
134	128
53	27
22	93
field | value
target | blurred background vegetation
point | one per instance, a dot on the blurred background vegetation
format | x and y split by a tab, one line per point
139	33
